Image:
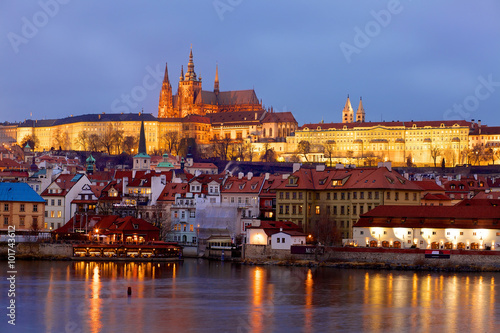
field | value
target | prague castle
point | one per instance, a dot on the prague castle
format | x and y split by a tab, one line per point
238	116
191	99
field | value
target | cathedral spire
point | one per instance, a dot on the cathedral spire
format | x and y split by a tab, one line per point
165	77
360	113
190	74
165	104
181	78
348	112
216	82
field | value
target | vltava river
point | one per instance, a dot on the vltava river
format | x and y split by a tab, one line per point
203	296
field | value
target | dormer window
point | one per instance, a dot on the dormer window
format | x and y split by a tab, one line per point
136	226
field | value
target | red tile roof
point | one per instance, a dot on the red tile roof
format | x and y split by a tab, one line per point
431	216
429	185
358	178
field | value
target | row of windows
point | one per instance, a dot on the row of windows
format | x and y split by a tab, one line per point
22	207
330	210
22	220
52	202
333	196
183	227
53	213
192	214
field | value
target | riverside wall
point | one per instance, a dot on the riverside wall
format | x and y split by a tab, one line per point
38	250
407	257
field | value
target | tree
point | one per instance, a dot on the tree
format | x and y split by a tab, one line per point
304	148
60	139
435	152
82	140
269	155
129	143
329	149
221	147
172	140
477	154
32	140
94	143
325	231
409	161
490	154
110	137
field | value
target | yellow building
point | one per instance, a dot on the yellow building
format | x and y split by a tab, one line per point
396	141
21	210
333	198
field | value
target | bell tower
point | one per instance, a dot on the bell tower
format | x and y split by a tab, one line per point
348	112
189	89
360	113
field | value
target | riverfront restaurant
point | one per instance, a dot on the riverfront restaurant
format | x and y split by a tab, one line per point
471	225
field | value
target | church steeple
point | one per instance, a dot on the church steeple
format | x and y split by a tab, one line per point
348	112
216	82
360	113
142	140
181	78
166	102
142	160
190	74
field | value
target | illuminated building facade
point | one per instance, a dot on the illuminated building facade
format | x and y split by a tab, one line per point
430	227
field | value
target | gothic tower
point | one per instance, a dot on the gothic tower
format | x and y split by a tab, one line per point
189	89
216	82
166	106
360	113
348	112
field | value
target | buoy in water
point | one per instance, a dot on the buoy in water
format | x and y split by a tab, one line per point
129	291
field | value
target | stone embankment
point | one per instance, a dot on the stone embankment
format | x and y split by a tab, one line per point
376	258
38	251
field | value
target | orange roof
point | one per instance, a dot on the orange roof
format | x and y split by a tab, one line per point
235	185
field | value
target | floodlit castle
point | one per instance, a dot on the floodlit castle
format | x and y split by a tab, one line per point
191	99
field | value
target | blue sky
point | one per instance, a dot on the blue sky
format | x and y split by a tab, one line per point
409	60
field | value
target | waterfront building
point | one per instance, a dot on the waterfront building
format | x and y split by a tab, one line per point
279	235
183	215
464	227
22	208
59	195
337	196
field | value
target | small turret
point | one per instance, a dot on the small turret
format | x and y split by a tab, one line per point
216	82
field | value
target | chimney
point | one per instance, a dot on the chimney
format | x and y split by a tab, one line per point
124	185
296	167
320	167
240	175
479	122
249	175
266	176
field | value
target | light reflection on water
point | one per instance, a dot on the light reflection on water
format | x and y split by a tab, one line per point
197	296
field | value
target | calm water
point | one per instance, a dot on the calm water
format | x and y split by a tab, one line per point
203	296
